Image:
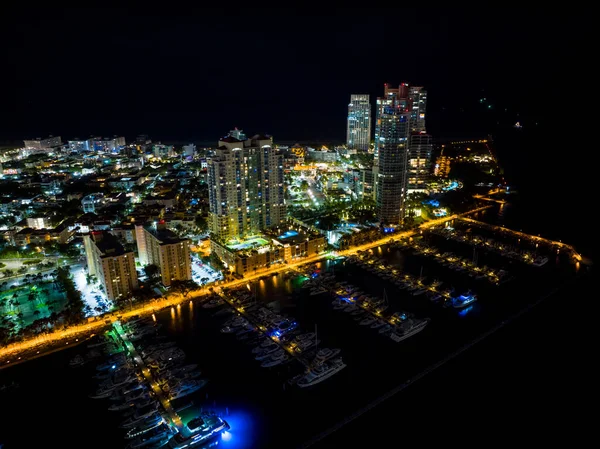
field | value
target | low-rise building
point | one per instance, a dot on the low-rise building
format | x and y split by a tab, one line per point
279	245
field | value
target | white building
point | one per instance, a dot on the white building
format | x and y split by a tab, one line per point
38	223
245	180
111	264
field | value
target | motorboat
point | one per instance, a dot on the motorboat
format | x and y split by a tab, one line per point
386	329
275	359
267	344
141	414
145	426
303	345
407	329
78	360
216	302
284	327
267	352
377	324
321	372
368	321
199	431
458	302
152	438
326	354
186	387
307	336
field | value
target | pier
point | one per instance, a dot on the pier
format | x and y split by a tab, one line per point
558	245
260	327
160	394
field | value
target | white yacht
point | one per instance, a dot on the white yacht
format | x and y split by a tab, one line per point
275	359
266	352
145	426
326	354
321	372
185	388
367	321
156	437
303	345
407	329
198	431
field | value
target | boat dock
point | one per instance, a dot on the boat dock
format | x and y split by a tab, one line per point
523	235
260	327
160	394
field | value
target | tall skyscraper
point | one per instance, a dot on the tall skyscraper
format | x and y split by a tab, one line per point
159	246
402	149
111	264
391	153
358	134
245	180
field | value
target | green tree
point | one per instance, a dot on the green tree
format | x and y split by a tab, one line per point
201	223
152	272
184	287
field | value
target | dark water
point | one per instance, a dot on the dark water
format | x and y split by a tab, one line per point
263	410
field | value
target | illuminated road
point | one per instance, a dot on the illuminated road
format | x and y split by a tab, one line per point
11	353
534	238
160	394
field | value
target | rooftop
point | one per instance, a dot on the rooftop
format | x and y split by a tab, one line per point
108	244
250	243
165	236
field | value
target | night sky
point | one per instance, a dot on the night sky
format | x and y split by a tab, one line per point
193	74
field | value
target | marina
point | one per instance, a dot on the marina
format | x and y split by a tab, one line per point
219	338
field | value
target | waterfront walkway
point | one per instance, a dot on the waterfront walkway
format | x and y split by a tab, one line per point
160	394
11	353
523	235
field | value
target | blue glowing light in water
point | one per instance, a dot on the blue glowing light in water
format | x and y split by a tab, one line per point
240	435
466	310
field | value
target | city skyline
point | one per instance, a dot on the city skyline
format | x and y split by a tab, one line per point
181	99
389	227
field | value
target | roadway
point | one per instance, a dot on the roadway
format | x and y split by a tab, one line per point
40	342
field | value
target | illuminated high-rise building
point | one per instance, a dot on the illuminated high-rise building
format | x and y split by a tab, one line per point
160	246
111	264
420	147
417	97
358	134
402	149
245	181
392	130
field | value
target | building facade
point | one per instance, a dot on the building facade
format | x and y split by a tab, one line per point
38	222
81	145
358	133
245	179
159	246
43	144
111	264
402	149
108	145
391	153
420	148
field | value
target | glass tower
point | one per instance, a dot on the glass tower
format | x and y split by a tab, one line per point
358	135
402	149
